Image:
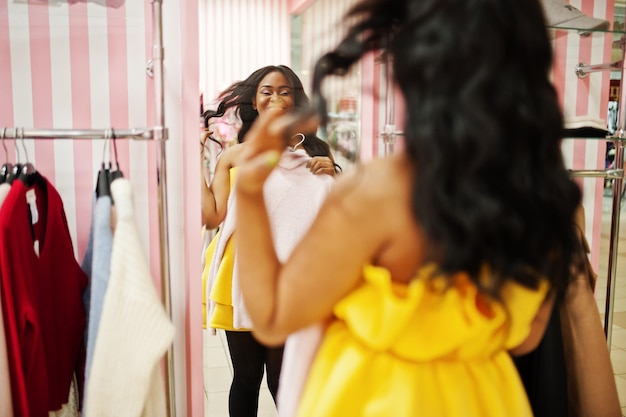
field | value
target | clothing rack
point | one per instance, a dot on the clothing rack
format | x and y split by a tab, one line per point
157	133
21	133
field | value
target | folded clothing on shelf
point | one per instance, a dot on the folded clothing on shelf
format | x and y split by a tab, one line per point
559	13
585	127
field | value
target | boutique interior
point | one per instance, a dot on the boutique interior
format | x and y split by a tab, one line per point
89	84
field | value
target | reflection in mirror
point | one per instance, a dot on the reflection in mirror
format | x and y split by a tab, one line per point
245	45
310	39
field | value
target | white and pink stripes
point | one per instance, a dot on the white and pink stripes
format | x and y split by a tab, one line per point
80	66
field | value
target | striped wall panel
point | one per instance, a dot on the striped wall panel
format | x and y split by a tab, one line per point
585	97
79	66
82	66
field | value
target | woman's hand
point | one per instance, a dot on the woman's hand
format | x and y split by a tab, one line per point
203	144
321	165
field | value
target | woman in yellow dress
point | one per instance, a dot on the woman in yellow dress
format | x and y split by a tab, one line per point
303	177
429	268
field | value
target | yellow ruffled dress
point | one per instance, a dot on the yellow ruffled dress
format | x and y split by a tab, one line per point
221	294
419	350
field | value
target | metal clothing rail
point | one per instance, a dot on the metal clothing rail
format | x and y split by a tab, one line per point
158	133
597	173
21	133
617	174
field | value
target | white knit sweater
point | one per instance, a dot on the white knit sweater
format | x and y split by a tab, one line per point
135	332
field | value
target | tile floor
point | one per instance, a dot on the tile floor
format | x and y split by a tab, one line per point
218	369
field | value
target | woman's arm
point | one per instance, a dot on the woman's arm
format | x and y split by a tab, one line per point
283	298
214	197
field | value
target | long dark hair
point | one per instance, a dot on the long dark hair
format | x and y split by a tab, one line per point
240	96
483	130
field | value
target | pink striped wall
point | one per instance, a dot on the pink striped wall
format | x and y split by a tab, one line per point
83	66
580	97
68	67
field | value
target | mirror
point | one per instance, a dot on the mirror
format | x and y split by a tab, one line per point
364	120
275	32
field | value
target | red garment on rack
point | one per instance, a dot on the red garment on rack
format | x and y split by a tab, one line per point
41	300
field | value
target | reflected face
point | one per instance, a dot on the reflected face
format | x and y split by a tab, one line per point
274	92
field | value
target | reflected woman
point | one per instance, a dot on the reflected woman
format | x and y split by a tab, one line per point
294	193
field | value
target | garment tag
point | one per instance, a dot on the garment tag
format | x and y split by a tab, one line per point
31	199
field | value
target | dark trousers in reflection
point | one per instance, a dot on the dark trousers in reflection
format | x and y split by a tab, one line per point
249	359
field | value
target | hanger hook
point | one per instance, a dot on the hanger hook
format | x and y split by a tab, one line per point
107	138
6	151
24	144
117	164
17	148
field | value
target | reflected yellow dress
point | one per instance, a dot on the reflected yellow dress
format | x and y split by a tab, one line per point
221	293
417	350
222	317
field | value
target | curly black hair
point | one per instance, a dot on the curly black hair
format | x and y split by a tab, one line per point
483	129
240	94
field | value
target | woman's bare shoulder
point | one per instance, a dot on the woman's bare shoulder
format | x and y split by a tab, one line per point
374	188
378	177
232	155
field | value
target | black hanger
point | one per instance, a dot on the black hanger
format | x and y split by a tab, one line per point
117	173
104	175
7	167
103	182
26	172
17	167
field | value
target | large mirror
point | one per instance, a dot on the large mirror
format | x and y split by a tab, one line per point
253	35
239	36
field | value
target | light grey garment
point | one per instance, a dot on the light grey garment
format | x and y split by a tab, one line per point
100	271
86	265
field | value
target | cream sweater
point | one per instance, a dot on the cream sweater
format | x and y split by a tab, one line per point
293	196
135	332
